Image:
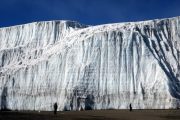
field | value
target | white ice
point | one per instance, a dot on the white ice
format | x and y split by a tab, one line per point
90	67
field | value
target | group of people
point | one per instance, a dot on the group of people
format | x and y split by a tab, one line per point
56	106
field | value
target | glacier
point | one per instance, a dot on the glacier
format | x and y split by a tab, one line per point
90	67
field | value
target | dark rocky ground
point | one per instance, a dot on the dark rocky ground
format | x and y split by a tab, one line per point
93	115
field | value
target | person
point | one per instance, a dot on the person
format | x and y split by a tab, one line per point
55	108
130	107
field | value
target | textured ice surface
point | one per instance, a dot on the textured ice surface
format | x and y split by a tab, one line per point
91	67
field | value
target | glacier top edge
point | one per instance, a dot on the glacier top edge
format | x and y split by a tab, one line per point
48	21
75	22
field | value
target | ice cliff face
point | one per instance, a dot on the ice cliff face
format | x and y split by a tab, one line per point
90	67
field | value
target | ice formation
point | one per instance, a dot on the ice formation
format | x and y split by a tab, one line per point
90	67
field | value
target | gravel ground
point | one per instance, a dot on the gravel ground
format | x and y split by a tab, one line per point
93	115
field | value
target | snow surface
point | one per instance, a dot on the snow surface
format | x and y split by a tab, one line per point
90	67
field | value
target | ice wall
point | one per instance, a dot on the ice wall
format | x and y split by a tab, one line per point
90	67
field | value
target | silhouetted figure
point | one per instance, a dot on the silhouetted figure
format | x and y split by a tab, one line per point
71	105
130	107
55	108
4	99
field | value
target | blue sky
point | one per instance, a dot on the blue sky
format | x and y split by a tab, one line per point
92	12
